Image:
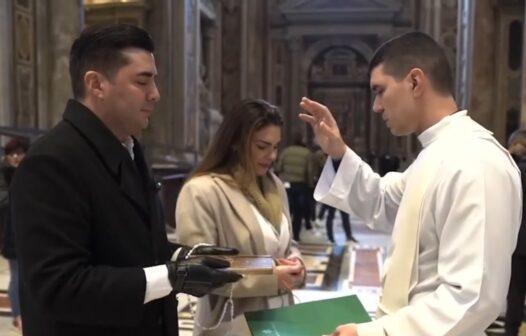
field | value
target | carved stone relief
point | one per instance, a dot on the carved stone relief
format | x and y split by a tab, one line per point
25	110
448	32
338	78
204	116
6	65
107	12
338	64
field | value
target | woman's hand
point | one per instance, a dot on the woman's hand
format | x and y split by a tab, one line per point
290	273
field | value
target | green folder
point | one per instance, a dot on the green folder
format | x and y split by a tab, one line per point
307	319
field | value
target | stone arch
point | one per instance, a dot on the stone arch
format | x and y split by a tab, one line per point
318	47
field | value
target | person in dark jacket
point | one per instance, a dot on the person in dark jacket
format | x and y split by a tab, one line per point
14	152
517	290
90	239
294	167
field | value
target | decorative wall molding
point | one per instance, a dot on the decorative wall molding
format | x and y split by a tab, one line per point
332	11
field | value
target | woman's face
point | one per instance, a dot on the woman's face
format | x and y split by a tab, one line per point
15	157
264	148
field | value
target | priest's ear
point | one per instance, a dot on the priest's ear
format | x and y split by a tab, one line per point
95	84
416	81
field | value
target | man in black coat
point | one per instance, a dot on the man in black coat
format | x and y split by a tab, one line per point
92	247
517	290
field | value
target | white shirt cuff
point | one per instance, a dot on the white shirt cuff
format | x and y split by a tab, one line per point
157	283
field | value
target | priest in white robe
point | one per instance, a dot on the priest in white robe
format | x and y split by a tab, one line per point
454	213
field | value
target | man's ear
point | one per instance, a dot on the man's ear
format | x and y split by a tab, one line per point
93	84
416	80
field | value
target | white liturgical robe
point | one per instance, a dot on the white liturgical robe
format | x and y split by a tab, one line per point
467	232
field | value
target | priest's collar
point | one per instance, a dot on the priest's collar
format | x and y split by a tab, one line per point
430	134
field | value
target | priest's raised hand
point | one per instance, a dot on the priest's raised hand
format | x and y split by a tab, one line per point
324	126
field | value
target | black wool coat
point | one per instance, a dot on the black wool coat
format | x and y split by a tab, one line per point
87	219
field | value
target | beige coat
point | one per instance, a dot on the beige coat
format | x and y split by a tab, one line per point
211	211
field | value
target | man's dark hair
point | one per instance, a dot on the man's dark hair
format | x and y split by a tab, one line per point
99	48
16	144
415	50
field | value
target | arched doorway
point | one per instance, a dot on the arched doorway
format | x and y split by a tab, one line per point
338	78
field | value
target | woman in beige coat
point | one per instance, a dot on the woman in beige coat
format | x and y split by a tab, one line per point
233	199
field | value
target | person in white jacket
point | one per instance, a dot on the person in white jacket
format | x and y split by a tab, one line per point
454	213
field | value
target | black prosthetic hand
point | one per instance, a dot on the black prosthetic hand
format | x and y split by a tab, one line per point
205	250
199	275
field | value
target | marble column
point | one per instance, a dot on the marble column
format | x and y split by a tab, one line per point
483	75
448	31
439	19
257	42
466	18
6	59
216	60
163	24
212	63
523	89
43	60
231	53
64	22
173	26
291	123
244	60
192	34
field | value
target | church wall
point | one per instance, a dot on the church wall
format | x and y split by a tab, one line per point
496	79
304	36
211	54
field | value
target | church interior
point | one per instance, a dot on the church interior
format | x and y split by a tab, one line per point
212	53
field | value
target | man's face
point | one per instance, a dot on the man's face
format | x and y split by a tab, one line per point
264	148
130	95
394	101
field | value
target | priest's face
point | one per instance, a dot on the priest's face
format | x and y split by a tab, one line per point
393	99
264	148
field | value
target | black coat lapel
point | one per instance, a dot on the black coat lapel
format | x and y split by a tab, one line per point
111	152
154	204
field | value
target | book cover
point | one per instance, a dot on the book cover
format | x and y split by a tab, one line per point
307	319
